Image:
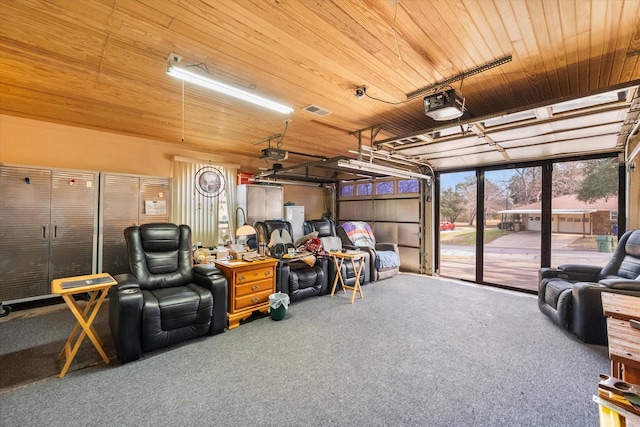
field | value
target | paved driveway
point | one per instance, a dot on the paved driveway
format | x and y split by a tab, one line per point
514	259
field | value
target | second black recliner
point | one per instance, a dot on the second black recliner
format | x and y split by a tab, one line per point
294	278
326	230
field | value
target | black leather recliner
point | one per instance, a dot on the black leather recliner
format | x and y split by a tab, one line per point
380	252
570	295
165	300
326	228
294	278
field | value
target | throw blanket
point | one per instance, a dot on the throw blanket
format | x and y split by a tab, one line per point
310	260
387	259
314	246
359	233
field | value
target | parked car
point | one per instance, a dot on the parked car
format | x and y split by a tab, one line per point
446	225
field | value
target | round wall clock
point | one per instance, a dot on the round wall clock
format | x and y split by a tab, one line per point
209	181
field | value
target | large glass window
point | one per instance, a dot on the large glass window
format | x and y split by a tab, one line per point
584	210
583	219
512	227
458	218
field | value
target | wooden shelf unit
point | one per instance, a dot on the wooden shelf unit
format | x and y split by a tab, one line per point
624	340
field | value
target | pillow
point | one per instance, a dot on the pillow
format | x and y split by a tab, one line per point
331	243
306	237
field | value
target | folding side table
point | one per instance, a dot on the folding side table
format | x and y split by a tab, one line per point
338	259
97	285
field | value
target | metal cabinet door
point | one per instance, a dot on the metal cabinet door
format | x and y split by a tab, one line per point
119	200
122	201
274	202
256	199
73	237
25	195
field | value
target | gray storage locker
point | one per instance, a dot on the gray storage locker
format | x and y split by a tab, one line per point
127	200
48	228
261	202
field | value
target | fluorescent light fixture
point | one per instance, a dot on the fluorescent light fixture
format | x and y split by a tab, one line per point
206	82
383	170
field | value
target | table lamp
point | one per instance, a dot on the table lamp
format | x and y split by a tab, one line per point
245	229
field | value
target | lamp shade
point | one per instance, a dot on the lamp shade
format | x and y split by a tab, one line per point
245	230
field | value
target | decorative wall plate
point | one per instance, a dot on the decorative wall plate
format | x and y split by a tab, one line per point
209	181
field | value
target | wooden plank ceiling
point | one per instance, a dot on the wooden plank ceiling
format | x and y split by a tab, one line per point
101	64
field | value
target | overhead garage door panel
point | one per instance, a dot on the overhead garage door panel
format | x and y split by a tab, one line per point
397	210
356	210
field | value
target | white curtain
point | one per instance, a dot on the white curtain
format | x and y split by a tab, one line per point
210	216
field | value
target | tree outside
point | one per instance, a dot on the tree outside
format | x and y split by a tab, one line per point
575	185
600	181
589	180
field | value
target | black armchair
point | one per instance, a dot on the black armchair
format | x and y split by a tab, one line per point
324	227
570	295
328	234
293	277
165	300
385	256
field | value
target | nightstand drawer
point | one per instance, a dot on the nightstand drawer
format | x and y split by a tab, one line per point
624	341
253	287
252	299
257	274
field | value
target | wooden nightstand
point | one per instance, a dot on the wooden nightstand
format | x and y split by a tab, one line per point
250	284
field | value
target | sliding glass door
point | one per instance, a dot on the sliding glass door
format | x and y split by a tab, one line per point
584	211
578	223
511	237
458	218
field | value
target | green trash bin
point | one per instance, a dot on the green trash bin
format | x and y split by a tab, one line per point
605	243
278	304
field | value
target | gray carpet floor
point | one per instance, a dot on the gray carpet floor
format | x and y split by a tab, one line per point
31	340
416	351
